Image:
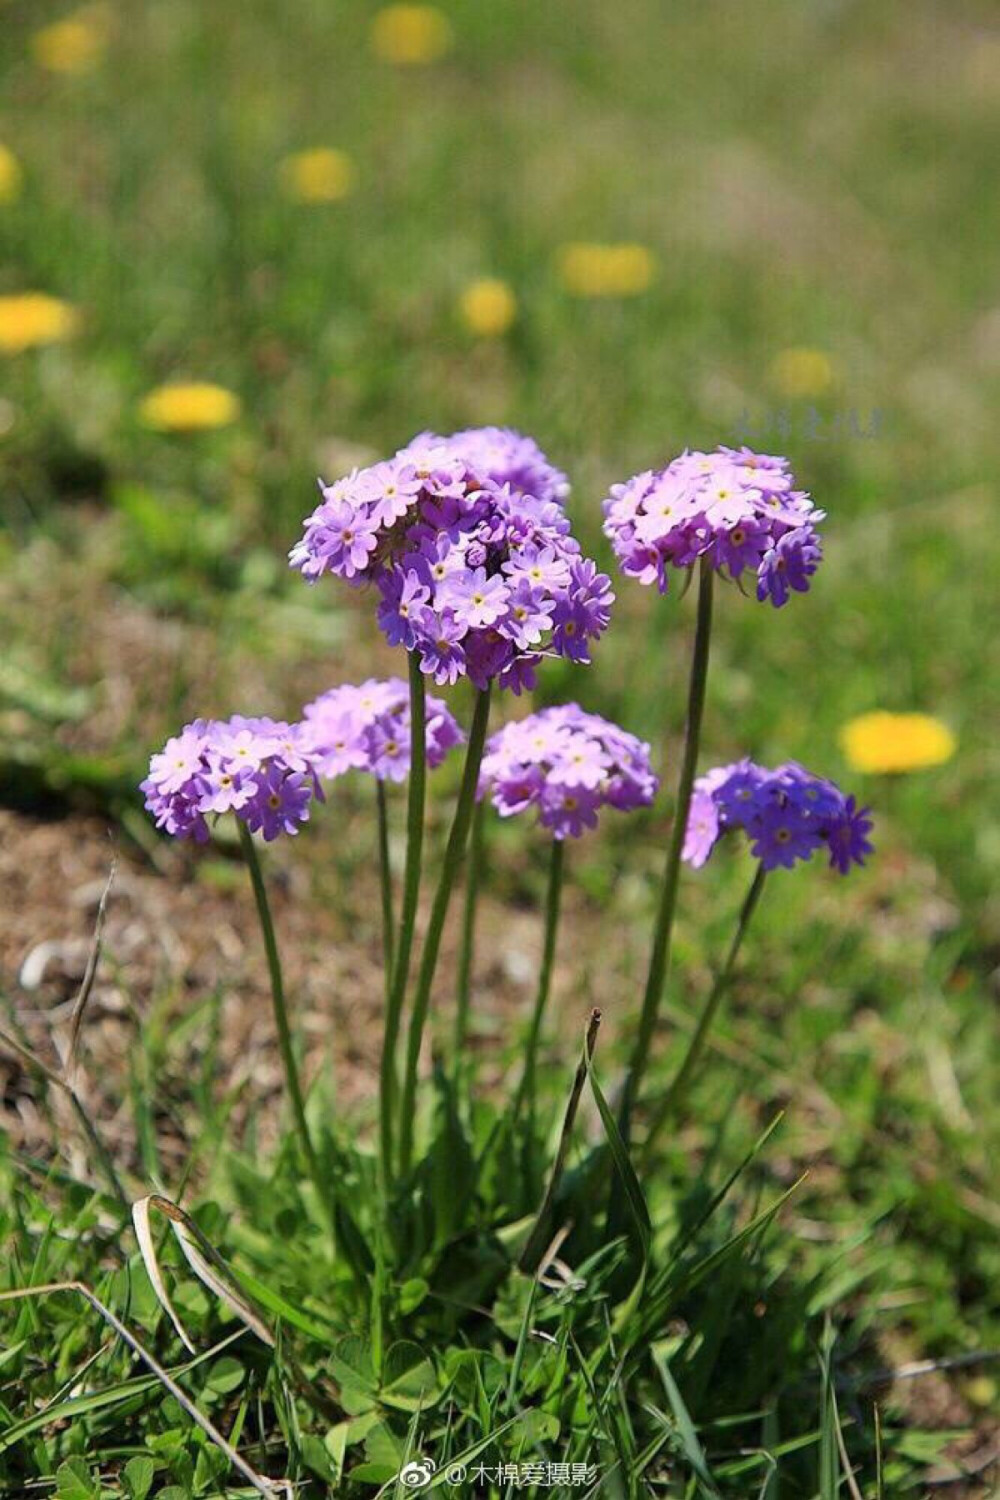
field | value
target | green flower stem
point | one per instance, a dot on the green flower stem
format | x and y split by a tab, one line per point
659	961
281	1010
411	893
677	1092
454	851
553	902
467	954
385	876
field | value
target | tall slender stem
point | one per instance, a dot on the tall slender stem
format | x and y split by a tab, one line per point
553	902
463	994
408	917
671	1103
281	1010
454	850
659	959
385	877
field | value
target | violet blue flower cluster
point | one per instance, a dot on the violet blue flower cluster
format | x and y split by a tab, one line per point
568	764
469	546
788	814
260	769
367	728
735	507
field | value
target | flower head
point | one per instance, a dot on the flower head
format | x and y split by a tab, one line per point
321	174
367	728
10	175
73	45
622	270
567	764
32	319
410	35
189	408
884	742
487	307
263	770
802	372
469	546
736	508
787	814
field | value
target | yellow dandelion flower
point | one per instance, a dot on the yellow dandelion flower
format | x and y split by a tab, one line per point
189	408
884	742
487	307
320	175
802	372
10	175
33	319
622	270
74	45
410	35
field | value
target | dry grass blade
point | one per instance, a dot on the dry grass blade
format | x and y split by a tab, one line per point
147	1249
204	1260
263	1486
90	973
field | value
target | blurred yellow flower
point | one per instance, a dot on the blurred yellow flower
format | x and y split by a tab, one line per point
74	45
34	318
622	270
884	742
189	408
487	307
802	372
320	175
409	35
10	175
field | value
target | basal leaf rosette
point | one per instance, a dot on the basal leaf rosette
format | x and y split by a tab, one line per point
566	764
738	509
366	727
470	549
788	815
260	769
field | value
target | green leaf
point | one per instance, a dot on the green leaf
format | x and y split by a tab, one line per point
74	1481
138	1476
209	1468
409	1379
351	1366
317	1458
225	1376
689	1441
451	1167
626	1172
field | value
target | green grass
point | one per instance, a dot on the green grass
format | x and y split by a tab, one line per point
808	174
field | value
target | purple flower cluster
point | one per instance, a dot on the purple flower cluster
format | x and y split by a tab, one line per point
568	764
367	728
469	546
788	814
735	507
260	769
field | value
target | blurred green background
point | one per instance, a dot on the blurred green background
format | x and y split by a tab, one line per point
805	185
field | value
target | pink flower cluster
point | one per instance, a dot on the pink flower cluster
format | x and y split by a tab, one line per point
367	728
737	508
567	764
260	769
469	546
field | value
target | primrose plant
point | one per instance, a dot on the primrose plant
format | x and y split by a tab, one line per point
467	548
